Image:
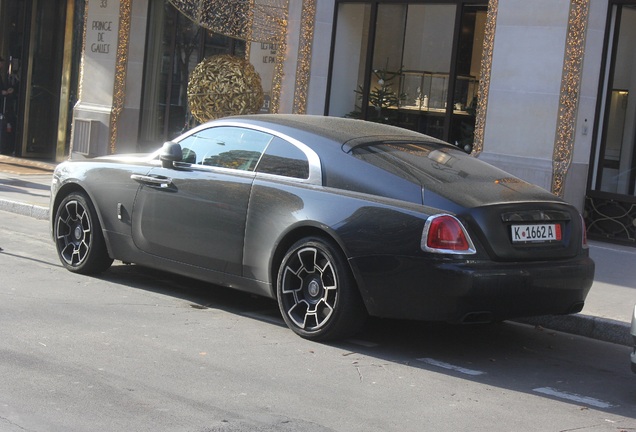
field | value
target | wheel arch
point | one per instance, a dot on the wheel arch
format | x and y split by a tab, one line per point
295	235
64	191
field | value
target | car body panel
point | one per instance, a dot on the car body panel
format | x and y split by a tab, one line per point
107	183
356	221
493	225
472	291
199	218
232	227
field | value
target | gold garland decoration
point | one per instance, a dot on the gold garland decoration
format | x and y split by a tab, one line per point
251	20
307	27
484	82
570	89
121	70
224	85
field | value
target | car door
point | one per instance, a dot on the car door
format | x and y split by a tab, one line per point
195	213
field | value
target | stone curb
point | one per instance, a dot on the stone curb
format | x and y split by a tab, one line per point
19	162
593	327
32	210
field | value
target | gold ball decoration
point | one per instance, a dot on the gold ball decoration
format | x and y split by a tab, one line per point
224	85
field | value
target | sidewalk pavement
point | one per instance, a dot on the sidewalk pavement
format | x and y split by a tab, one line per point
25	189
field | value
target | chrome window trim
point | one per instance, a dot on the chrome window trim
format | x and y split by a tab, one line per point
214	169
315	166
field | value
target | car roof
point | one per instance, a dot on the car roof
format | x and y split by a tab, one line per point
340	130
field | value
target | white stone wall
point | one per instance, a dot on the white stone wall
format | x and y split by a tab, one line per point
321	45
523	102
317	92
98	77
128	126
525	84
576	182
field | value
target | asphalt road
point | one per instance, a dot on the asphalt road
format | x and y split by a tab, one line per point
140	350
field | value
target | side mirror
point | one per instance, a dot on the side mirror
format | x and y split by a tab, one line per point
170	152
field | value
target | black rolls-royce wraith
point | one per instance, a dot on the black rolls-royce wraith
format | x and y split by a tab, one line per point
335	218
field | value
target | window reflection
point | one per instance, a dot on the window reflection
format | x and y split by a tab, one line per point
285	159
175	46
225	147
412	80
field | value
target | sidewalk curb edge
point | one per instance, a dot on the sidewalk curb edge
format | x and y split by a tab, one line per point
592	327
32	210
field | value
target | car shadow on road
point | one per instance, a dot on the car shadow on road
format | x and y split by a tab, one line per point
508	355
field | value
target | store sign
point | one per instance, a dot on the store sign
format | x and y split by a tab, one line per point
263	56
102	27
100	52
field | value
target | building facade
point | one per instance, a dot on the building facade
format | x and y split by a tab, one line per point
540	89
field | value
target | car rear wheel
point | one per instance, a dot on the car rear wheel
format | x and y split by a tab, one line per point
317	294
78	236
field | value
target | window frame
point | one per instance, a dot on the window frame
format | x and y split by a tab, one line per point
606	86
313	160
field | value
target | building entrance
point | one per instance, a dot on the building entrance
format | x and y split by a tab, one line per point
33	41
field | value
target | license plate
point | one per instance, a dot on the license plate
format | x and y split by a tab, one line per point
536	233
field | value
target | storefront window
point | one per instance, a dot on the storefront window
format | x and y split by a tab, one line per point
412	65
175	46
616	165
610	204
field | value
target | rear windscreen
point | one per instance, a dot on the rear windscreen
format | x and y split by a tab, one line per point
427	161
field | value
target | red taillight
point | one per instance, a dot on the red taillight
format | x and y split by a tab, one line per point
444	233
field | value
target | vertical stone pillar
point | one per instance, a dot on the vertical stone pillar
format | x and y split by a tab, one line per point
92	113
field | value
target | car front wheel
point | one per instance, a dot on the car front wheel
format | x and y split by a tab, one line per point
78	236
317	294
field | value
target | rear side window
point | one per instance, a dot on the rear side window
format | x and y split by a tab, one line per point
284	159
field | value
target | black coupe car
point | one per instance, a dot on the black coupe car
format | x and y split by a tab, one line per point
335	218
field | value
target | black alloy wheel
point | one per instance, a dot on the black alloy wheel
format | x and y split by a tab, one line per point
78	236
316	291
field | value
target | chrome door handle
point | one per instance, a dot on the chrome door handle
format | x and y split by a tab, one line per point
162	182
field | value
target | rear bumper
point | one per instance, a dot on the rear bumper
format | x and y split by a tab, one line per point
471	291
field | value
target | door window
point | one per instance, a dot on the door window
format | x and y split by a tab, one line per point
225	147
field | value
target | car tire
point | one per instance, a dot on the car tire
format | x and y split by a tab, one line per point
317	294
78	236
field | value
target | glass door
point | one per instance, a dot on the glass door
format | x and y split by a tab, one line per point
12	18
42	75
